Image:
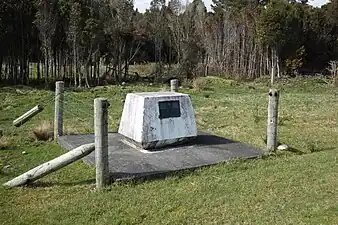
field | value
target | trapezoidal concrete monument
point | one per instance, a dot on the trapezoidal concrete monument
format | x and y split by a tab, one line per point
154	120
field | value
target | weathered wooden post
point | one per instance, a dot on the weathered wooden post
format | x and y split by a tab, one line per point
101	141
271	141
174	85
58	118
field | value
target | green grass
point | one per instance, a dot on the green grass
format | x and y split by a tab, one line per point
297	187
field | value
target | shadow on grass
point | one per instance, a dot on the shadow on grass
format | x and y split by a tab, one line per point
299	152
296	151
39	184
322	149
136	179
139	178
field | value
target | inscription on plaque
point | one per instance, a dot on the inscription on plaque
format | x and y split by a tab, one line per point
169	109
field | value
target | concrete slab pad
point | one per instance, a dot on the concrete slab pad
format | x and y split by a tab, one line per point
127	161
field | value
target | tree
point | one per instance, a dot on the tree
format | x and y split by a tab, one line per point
46	21
193	50
239	39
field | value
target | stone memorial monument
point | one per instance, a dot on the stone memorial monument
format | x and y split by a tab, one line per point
157	119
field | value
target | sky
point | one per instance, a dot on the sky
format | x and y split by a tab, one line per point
142	5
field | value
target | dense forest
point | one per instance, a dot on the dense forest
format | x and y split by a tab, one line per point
86	42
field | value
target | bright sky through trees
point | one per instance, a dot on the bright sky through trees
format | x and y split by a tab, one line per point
142	5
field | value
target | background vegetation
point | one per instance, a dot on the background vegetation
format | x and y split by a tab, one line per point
90	42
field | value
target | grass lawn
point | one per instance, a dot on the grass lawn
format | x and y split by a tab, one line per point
298	187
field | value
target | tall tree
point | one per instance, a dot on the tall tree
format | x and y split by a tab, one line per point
46	21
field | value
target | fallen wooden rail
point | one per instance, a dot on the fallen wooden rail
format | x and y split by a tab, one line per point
52	165
27	116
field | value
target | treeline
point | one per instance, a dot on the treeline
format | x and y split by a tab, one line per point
87	41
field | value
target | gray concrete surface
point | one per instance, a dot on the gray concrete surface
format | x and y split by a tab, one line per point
127	161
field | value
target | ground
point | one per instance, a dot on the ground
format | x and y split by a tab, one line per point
295	187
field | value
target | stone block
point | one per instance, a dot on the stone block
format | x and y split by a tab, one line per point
158	119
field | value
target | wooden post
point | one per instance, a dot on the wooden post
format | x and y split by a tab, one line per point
58	117
271	141
174	85
101	141
52	165
27	116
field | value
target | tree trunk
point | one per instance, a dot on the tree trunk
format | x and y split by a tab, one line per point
277	64
64	68
38	71
126	66
98	71
6	76
58	63
42	69
70	70
261	63
206	67
46	66
91	71
95	75
22	58
74	63
1	61
79	74
243	68
273	62
87	75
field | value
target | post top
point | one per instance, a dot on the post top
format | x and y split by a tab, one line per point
101	99
273	92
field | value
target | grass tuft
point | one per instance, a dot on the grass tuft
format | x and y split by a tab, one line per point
5	142
44	131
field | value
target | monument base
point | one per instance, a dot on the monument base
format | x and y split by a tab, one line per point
159	145
128	162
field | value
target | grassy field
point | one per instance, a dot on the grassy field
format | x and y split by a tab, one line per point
294	187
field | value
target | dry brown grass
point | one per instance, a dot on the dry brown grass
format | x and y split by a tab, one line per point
44	131
5	142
